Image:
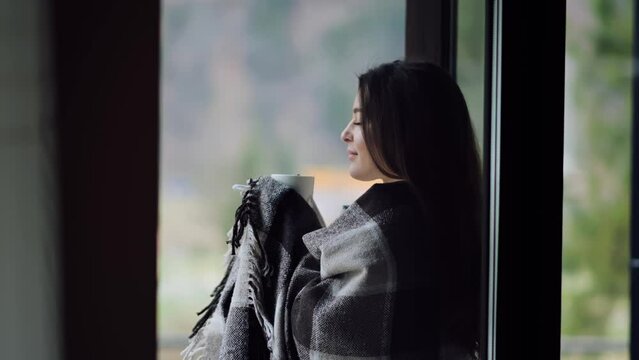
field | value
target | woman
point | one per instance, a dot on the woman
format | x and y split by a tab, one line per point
397	274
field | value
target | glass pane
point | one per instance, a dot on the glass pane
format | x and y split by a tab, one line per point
470	61
253	88
595	280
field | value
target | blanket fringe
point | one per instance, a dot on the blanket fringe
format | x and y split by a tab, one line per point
259	270
196	350
256	287
210	308
242	214
259	267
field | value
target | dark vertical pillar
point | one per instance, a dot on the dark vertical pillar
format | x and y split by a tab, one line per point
529	116
431	32
634	216
106	75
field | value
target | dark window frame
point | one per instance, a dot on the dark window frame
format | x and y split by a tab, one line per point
527	220
530	119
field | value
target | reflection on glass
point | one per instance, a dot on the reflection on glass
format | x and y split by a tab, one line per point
595	280
252	88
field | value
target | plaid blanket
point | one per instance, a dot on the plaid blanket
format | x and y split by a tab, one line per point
248	313
356	289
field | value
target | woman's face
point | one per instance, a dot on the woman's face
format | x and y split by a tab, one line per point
361	165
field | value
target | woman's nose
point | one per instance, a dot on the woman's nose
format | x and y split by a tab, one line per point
346	136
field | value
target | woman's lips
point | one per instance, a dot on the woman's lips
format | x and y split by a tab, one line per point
351	154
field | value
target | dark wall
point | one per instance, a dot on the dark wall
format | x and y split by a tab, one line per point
106	96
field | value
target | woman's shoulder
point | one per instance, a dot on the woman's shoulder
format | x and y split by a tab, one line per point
387	211
395	203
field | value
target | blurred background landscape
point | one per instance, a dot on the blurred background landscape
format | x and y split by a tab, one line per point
252	88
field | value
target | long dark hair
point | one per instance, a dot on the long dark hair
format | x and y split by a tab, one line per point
417	127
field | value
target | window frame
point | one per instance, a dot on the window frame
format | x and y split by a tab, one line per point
526	220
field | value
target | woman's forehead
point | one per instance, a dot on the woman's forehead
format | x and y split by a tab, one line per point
356	100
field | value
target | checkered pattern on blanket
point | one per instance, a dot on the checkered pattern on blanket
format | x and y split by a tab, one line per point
357	289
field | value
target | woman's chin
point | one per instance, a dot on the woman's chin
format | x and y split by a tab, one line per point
353	173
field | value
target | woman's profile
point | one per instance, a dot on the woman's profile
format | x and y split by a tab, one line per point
397	274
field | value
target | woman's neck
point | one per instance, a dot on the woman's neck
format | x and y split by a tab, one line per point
387	180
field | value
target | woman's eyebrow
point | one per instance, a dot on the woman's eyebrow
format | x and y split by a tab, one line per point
356	110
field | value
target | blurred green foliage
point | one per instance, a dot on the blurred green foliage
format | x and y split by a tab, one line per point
596	199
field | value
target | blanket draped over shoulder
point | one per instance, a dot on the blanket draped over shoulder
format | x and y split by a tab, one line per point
359	288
